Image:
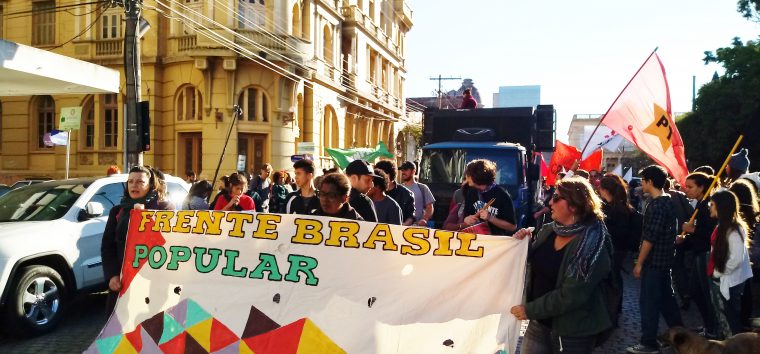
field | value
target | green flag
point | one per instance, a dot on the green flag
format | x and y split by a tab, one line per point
343	157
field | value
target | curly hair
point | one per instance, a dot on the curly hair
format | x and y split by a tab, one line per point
481	171
579	194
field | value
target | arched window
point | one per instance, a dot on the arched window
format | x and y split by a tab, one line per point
109	113
44	117
87	129
349	130
327	49
188	103
300	118
295	27
255	104
306	20
330	128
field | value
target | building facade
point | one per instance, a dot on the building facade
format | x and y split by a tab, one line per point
517	96
581	128
325	73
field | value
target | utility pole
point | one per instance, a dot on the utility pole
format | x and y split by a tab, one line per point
440	93
132	153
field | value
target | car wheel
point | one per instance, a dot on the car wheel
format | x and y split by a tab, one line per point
36	301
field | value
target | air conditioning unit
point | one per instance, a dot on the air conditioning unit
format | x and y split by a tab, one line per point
229	64
201	63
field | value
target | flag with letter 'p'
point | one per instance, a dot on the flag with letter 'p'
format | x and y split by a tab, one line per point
643	116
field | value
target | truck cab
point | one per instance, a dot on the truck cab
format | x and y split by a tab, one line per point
506	136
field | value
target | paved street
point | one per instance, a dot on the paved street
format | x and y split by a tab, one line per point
86	318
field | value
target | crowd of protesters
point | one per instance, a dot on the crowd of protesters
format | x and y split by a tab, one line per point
591	228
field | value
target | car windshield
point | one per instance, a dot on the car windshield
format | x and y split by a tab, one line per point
39	202
447	165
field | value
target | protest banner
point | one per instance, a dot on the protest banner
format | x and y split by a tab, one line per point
237	282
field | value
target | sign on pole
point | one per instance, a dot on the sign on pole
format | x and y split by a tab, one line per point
306	148
70	118
241	163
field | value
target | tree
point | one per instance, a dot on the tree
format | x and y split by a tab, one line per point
728	104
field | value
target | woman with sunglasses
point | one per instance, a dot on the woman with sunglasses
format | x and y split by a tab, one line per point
141	192
728	266
569	259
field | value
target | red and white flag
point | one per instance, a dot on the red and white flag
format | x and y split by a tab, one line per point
643	116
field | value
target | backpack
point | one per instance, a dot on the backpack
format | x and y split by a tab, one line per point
681	207
612	296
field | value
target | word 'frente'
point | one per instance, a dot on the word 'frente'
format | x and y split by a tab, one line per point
417	241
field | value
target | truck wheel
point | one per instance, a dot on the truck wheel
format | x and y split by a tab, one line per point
36	302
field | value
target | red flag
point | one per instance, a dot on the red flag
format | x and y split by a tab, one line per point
593	161
544	168
564	156
643	116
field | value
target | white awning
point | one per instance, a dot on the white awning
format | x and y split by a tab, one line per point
26	71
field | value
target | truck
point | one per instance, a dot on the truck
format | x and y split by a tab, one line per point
507	136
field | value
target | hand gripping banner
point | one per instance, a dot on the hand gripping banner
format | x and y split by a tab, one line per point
235	282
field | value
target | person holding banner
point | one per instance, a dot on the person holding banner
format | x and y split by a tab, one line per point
141	192
698	238
236	199
333	198
361	176
569	259
303	201
500	214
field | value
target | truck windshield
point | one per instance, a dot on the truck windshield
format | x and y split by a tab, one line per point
39	202
447	165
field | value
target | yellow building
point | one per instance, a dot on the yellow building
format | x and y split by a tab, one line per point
326	72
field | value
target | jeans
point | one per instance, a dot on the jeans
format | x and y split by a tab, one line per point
728	311
657	298
701	291
539	339
618	258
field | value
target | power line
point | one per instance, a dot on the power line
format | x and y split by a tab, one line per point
58	8
104	8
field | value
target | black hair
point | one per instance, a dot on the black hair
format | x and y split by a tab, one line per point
381	182
339	180
654	174
389	167
304	164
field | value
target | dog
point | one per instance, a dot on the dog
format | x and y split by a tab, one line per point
684	341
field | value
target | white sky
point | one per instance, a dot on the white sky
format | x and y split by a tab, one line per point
582	53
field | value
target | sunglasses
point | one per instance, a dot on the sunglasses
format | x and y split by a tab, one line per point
556	197
329	195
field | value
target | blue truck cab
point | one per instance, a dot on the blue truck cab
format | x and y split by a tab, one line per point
506	136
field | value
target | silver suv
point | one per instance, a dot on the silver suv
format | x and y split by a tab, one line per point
50	237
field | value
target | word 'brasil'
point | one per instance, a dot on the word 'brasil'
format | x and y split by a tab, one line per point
343	233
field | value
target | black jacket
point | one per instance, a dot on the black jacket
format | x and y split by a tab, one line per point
346	212
405	199
112	245
363	205
295	204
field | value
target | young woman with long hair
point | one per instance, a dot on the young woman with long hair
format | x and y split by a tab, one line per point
729	266
750	213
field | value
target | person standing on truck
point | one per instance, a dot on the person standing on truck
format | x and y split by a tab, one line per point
423	198
500	214
468	102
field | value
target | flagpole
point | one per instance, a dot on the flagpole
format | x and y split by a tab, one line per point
714	182
68	151
616	99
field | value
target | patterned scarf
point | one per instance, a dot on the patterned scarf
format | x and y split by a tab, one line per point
593	237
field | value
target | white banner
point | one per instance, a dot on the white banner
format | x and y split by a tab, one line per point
232	282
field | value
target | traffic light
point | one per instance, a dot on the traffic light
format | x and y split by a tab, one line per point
143	126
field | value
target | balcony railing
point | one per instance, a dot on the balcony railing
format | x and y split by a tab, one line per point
261	39
188	42
353	14
109	47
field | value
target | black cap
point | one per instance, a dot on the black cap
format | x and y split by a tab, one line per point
360	167
408	165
